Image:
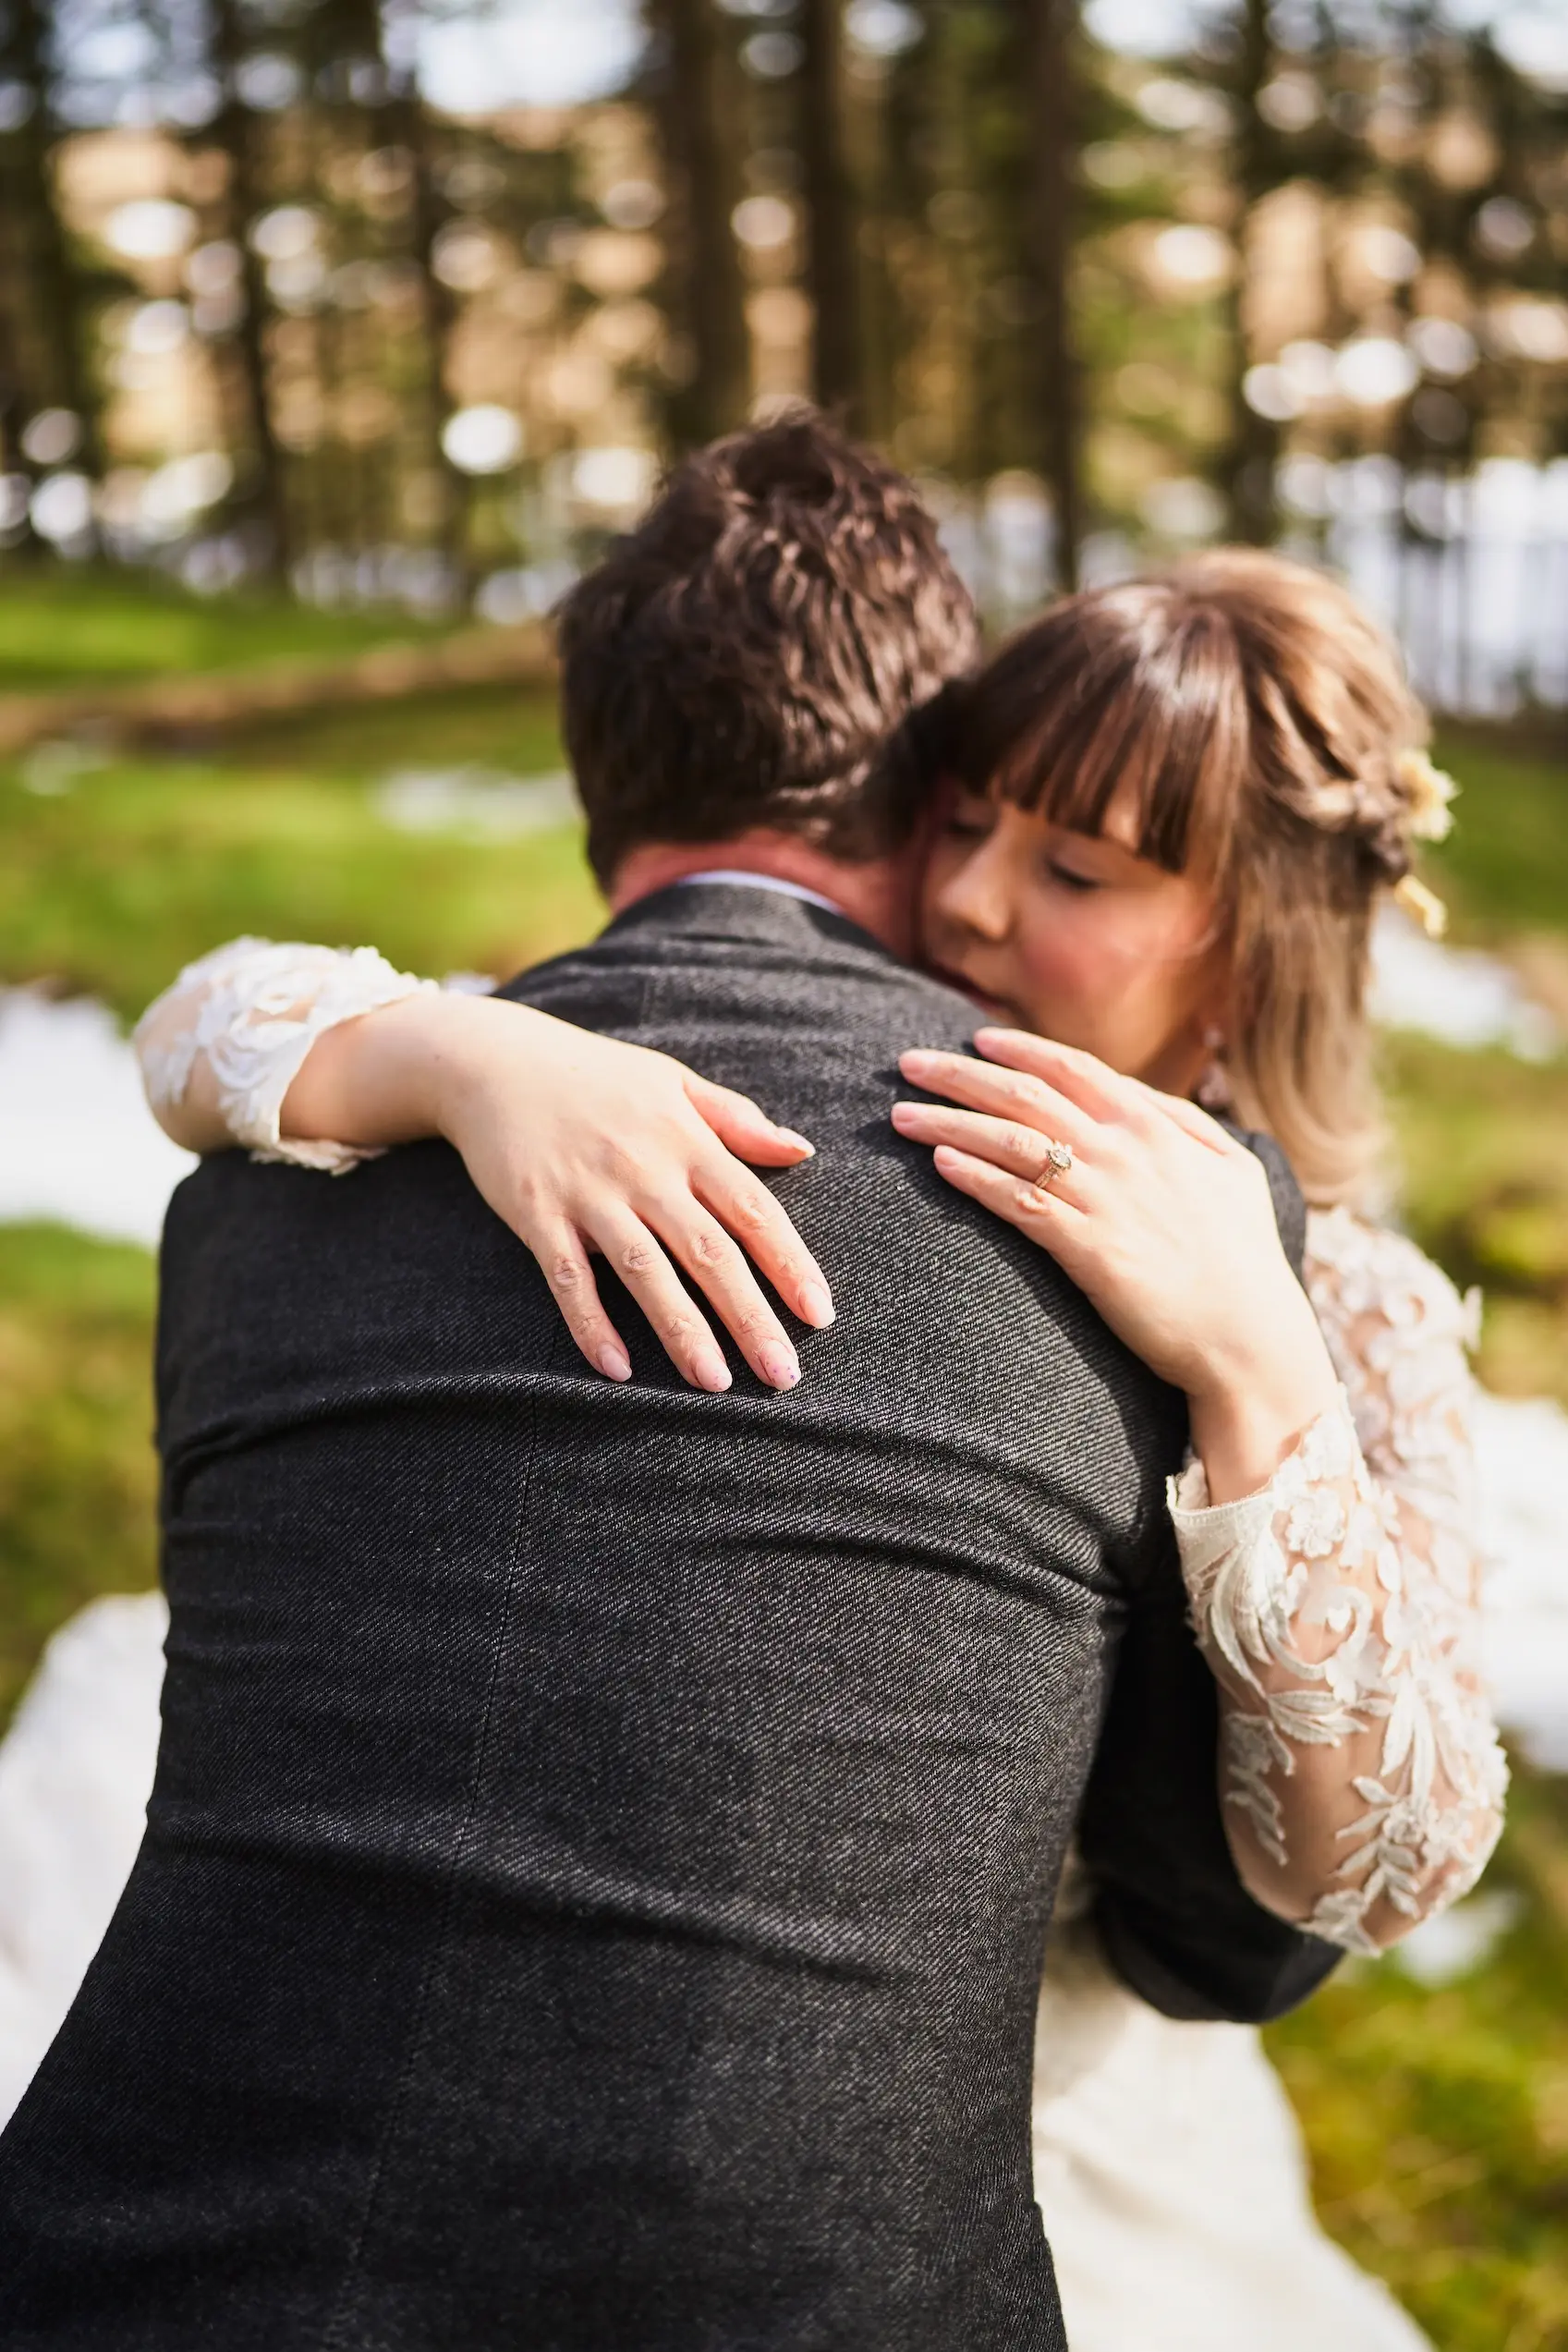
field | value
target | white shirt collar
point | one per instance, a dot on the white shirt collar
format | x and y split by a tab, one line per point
763	882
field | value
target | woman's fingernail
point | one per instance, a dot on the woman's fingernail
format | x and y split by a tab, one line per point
816	1305
614	1363
788	1135
904	1115
780	1366
918	1058
710	1371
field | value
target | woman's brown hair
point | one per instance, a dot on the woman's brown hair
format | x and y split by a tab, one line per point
1255	718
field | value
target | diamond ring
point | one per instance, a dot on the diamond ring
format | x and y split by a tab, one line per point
1058	1160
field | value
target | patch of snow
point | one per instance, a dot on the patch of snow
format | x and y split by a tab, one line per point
476	803
76	1772
1457	995
1522	1458
78	1142
1457	1942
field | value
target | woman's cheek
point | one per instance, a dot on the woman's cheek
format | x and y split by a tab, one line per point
1089	979
1071	955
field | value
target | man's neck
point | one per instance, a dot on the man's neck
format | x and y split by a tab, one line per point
878	895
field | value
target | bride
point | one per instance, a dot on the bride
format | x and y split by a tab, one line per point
1166	813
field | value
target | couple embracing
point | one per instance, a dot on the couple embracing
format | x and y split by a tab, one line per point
613	1797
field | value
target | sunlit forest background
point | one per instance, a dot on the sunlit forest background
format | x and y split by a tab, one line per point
335	337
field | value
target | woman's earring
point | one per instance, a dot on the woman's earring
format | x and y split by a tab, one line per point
1213	1089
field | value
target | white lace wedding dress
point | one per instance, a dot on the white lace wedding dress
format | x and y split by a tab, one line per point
1338	1604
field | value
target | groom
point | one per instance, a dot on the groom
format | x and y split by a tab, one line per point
595	1886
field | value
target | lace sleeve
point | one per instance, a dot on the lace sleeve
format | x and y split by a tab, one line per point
247	1015
1340	1611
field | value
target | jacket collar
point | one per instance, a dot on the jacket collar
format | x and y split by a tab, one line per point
738	911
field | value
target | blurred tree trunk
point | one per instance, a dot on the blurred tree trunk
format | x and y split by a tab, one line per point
437	311
15	405
235	131
698	107
428	213
347	38
1252	443
51	292
903	174
1419	615
958	212
833	244
1051	34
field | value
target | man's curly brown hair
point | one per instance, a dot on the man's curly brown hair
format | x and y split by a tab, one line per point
754	652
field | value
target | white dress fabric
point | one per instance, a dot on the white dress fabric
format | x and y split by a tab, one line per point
1173	2182
1340	1604
251	1010
76	1772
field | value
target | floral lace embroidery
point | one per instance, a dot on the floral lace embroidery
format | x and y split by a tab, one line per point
254	1009
1341	1603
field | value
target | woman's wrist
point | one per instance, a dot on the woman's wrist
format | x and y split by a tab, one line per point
1248	1414
386	1076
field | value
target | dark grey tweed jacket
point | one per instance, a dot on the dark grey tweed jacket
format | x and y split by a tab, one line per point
603	1838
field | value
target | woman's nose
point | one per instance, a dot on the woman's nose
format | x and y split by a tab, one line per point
979	895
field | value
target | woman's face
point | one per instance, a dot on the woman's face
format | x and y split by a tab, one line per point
1076	936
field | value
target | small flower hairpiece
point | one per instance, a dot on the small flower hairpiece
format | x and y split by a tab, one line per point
1423	905
1429	794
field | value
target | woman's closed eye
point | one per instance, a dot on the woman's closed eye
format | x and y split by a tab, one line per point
1071	878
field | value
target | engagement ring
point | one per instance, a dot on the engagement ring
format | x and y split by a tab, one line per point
1058	1160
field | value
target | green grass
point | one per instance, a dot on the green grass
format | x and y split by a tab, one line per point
497	727
1483	1157
1506	862
62	625
146	862
77	1474
1437	2120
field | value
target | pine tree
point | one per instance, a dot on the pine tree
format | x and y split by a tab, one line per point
1248	467
235	132
696	101
833	244
44	360
1051	46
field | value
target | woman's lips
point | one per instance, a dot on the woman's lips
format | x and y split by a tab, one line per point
997	1007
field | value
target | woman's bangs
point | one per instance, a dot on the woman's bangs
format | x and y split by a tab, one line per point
1128	748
